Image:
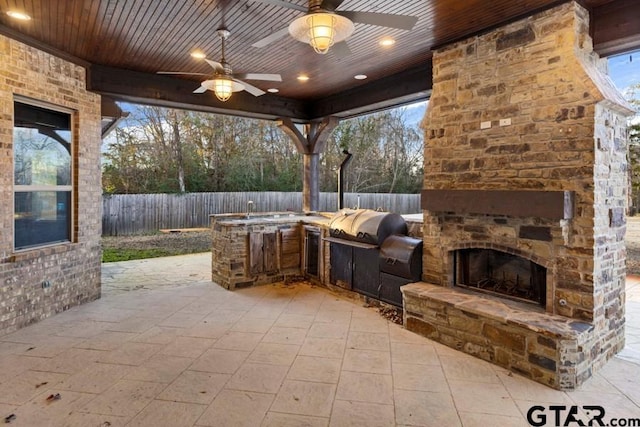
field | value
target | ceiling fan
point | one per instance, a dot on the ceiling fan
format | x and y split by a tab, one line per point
323	26
224	82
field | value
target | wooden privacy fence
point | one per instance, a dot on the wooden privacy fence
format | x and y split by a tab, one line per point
139	213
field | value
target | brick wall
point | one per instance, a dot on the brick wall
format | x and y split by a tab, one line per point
72	269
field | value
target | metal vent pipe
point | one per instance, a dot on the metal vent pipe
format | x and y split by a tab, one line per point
343	165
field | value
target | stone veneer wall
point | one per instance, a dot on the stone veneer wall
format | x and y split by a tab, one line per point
567	133
73	269
230	250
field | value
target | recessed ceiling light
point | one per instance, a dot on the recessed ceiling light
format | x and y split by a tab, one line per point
387	41
360	76
273	90
19	15
303	78
198	54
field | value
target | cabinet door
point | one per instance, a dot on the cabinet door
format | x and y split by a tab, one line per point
289	249
256	254
270	252
312	253
366	276
390	288
341	257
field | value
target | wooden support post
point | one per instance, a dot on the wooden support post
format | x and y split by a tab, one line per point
310	184
310	144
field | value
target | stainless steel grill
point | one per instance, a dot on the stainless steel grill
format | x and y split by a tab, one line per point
371	253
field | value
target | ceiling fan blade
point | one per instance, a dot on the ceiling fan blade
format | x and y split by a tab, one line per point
271	38
403	22
340	50
331	4
286	4
201	89
182	73
258	76
216	65
250	88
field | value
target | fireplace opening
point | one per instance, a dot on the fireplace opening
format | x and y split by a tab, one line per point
502	274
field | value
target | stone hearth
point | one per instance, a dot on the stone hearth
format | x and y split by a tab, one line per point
525	153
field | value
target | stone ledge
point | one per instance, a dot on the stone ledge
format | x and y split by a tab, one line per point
41	252
497	309
543	347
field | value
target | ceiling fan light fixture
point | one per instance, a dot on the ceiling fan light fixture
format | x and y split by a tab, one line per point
223	88
220	84
321	30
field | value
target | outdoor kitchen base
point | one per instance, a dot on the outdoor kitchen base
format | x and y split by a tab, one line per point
546	348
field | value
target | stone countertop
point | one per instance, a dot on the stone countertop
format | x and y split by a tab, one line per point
316	218
413	217
235	219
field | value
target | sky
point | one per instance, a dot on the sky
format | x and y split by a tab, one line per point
624	69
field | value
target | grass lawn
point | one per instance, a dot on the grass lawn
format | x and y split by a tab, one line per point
114	254
126	248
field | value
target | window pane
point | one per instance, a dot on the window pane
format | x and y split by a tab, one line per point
42	146
42	217
42	170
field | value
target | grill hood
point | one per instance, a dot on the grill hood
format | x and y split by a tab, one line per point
366	226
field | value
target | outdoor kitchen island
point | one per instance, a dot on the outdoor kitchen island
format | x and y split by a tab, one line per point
339	250
259	248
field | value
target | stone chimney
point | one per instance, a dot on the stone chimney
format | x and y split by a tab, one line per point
526	154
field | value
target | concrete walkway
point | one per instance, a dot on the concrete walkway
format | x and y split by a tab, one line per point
166	347
155	273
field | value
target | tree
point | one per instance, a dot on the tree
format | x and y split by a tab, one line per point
168	151
387	154
633	96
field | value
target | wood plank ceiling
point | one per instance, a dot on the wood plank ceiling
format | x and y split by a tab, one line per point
147	36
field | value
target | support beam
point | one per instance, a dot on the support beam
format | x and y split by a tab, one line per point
310	145
165	91
616	27
111	115
405	87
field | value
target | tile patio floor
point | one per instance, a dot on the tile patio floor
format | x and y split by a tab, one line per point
166	347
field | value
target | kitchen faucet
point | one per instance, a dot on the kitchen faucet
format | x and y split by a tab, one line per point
249	208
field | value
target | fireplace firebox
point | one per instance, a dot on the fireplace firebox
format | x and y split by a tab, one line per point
501	274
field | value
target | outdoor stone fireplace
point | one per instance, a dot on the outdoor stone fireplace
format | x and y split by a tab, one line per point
525	179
